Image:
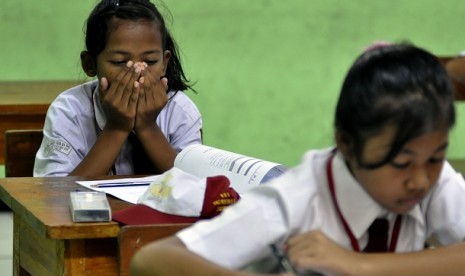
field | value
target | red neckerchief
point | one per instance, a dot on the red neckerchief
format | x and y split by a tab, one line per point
353	240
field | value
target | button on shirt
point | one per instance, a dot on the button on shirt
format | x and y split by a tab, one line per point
300	201
75	119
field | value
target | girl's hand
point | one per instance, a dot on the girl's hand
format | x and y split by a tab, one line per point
314	251
152	99
119	98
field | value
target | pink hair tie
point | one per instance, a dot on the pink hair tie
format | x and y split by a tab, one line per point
377	44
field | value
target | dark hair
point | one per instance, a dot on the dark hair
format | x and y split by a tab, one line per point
398	85
98	26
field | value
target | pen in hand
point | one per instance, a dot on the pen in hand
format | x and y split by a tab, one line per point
283	260
286	265
120	184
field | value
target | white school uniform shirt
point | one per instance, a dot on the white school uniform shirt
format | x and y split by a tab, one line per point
300	200
76	118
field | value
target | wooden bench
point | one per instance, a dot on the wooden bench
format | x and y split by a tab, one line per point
21	147
20	150
455	67
24	104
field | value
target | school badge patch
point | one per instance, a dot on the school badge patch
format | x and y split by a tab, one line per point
57	146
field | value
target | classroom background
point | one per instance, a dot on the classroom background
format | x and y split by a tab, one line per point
267	72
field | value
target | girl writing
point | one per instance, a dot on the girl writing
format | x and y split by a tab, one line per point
387	169
134	118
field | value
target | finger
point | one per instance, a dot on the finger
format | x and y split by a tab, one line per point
118	85
142	91
119	82
160	89
147	86
134	96
103	85
148	80
164	82
141	65
128	93
302	242
297	239
154	89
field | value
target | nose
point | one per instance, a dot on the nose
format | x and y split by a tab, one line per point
419	178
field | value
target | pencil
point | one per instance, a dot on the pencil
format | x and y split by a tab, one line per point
121	184
282	258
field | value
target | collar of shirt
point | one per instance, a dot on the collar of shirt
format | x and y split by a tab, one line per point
98	109
357	206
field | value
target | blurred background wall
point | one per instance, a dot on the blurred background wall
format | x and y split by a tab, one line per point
267	72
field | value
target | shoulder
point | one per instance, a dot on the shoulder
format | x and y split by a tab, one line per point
81	93
179	100
74	102
450	177
444	206
448	192
313	164
303	180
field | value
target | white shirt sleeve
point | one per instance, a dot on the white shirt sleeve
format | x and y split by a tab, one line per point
445	212
181	121
241	235
69	132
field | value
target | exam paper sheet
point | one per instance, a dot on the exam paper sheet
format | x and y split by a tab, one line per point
244	172
127	193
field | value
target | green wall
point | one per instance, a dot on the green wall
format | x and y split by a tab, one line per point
268	72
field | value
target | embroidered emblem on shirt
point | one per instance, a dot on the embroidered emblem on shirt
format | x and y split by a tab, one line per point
161	190
58	146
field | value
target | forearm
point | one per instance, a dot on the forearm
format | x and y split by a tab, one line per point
171	257
102	155
157	147
314	250
441	261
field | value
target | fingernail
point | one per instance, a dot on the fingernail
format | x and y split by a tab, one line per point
141	80
136	84
129	64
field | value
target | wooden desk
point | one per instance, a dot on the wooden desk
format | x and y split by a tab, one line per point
47	242
24	104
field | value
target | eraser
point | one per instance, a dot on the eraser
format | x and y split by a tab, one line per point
89	206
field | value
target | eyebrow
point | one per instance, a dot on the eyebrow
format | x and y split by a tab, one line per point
439	149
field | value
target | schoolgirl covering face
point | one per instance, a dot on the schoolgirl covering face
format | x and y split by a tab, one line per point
134	118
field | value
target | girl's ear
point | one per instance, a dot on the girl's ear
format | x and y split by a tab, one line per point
88	64
166	60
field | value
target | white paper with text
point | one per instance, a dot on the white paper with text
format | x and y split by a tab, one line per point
244	172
